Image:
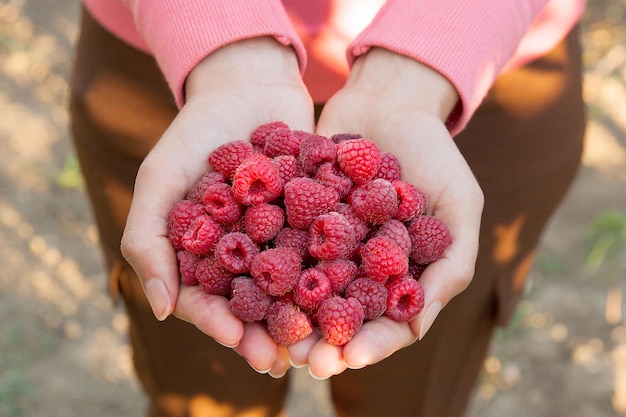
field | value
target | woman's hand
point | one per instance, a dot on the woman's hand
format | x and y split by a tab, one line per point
402	105
229	94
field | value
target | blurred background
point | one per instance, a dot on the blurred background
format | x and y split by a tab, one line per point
63	350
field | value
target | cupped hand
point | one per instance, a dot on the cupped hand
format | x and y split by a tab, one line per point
228	94
402	105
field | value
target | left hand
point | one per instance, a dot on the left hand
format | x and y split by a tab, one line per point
402	105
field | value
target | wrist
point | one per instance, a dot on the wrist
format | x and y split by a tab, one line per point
381	73
255	60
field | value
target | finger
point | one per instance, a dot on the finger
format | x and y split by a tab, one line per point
210	314
326	360
257	348
299	352
282	363
377	340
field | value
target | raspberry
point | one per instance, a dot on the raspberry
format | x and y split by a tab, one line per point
287	166
180	217
371	294
330	176
311	289
264	221
339	271
330	236
411	200
358	159
361	229
306	199
430	238
316	150
213	277
220	203
261	133
339	319
202	235
187	265
247	301
282	141
397	232
416	270
287	324
388	168
226	158
294	239
196	194
235	252
375	202
276	270
340	137
405	298
256	181
381	259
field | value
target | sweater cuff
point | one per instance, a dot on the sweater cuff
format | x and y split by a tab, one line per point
181	33
468	42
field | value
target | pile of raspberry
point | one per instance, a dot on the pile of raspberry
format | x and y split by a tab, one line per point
304	232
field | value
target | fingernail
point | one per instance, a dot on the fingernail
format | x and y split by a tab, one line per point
277	376
429	318
261	371
158	298
315	376
354	367
295	365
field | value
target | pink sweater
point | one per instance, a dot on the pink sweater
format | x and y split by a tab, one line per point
469	42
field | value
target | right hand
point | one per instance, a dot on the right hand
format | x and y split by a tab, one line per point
228	94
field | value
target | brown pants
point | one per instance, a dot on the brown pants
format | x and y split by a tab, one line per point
523	144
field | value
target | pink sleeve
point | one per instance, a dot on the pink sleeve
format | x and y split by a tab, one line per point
469	42
181	33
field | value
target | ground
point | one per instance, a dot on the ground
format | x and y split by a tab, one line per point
63	350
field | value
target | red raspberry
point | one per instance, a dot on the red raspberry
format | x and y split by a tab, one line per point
226	158
330	176
213	277
294	239
330	237
180	217
361	229
405	298
339	319
358	159
381	259
312	288
261	133
287	166
416	270
196	194
397	232
306	199
247	301
430	238
375	202
389	167
187	265
220	203
264	221
202	235
411	200
339	271
371	294
276	270
340	137
235	251
316	150
287	324
282	141
256	181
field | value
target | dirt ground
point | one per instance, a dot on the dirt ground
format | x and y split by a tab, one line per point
63	350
